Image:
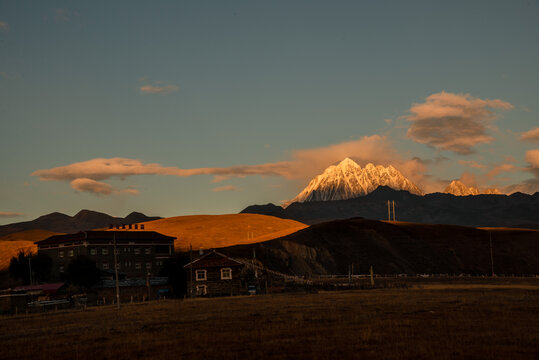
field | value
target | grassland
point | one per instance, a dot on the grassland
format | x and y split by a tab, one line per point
215	231
442	322
11	244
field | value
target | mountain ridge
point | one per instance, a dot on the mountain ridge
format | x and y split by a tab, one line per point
348	180
83	220
515	210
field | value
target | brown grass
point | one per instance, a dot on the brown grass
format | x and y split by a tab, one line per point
11	244
8	249
386	324
29	235
213	231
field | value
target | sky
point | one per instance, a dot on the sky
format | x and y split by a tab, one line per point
205	107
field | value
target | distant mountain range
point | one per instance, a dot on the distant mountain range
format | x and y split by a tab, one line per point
83	220
348	180
515	210
459	189
347	190
397	248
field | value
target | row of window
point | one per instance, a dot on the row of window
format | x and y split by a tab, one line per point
138	265
127	264
202	275
105	251
61	253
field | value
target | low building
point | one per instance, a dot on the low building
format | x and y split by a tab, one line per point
215	274
138	252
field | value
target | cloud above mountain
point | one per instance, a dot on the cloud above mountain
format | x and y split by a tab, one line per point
88	176
453	122
10	214
531	135
532	157
98	187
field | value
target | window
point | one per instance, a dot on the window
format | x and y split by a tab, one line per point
93	251
226	274
202	290
70	253
148	265
61	253
61	268
104	251
105	266
148	251
137	251
201	275
137	265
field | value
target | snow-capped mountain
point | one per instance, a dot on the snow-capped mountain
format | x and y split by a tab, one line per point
348	180
457	188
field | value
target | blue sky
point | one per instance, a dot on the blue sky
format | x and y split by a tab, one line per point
190	85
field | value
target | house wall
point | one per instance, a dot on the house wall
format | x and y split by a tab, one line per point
217	286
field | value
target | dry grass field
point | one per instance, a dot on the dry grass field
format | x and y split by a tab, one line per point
444	322
214	231
8	249
11	244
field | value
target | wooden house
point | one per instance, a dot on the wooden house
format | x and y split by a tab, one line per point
215	274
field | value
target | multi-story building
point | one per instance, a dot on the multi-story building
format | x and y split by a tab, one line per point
138	252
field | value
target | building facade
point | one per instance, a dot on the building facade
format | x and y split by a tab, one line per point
215	274
138	252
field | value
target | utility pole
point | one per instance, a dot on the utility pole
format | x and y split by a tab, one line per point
372	276
393	210
116	271
491	253
191	270
30	265
388	212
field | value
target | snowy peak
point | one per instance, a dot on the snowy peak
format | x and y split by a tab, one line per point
457	188
348	180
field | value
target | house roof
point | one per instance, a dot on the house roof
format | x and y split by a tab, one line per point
213	259
47	288
121	236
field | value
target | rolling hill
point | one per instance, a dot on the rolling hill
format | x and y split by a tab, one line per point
212	231
11	244
397	248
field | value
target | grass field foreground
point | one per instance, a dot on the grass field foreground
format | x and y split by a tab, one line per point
473	323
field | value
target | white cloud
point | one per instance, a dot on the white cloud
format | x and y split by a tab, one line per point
158	89
532	135
453	122
10	214
225	188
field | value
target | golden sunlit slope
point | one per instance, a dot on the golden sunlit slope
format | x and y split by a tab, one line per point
11	244
8	249
29	235
213	231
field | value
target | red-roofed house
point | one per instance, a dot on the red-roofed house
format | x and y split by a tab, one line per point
214	274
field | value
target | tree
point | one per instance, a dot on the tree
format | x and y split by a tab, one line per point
19	267
177	276
82	272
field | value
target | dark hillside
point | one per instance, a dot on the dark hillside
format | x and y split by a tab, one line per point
397	248
516	210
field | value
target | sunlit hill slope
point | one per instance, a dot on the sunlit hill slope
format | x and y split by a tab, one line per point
213	231
11	244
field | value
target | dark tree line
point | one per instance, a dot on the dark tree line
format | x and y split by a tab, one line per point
40	266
